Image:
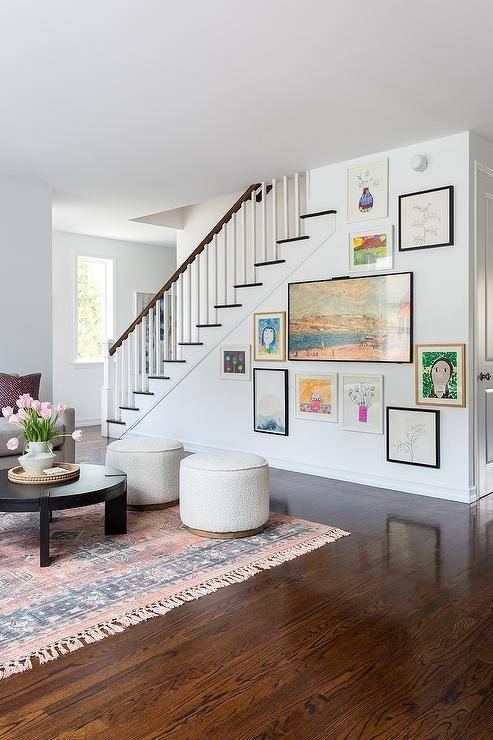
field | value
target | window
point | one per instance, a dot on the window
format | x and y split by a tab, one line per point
94	307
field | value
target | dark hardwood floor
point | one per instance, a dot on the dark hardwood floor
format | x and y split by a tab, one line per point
383	634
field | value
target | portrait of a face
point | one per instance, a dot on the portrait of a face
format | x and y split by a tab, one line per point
268	332
268	337
441	373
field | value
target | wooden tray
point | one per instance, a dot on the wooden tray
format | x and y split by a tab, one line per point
17	475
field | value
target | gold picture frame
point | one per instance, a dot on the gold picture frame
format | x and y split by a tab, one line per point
269	336
449	360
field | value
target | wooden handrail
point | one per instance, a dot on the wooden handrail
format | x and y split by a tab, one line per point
191	257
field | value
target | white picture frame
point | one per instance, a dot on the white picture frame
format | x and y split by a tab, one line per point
314	392
362	403
237	351
366	242
367	191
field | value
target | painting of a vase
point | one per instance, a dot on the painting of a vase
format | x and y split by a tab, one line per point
367	191
365	203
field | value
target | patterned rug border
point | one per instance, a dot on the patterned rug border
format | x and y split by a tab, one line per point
118	624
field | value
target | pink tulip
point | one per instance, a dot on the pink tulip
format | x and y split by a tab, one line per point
13	443
77	435
7	411
24	401
36	405
60	408
45	412
14	419
21	415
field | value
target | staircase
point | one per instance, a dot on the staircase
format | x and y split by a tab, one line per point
263	238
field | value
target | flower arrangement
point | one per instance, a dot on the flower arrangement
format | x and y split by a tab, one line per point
38	422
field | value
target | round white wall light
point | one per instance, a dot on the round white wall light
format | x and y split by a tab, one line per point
418	162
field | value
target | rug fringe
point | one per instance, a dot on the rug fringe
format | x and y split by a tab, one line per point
158	608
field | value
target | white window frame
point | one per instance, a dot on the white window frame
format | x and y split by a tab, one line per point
109	316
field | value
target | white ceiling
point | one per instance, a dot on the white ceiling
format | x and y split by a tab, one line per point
130	107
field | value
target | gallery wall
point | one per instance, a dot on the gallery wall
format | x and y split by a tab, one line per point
25	267
222	409
137	267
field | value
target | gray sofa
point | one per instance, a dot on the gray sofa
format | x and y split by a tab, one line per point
63	447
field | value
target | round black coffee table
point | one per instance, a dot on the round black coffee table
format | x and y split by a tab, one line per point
96	484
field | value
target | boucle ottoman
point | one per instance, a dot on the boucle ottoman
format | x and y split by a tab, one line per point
152	466
224	495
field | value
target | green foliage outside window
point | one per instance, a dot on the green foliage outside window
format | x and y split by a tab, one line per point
90	310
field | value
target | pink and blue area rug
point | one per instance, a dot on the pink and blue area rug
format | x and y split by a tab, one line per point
97	586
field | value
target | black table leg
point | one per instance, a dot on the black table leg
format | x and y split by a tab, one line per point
115	515
44	531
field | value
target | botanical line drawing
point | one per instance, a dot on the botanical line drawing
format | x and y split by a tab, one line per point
409	445
426	224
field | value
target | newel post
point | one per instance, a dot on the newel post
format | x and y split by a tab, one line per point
108	389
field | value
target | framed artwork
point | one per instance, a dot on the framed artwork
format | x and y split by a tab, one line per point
362	403
426	219
367	187
440	375
413	436
360	319
371	250
269	336
316	396
234	362
270	400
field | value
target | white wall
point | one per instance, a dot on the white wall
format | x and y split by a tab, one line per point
25	269
137	267
199	220
441	315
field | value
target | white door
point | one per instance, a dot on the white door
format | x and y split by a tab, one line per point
484	343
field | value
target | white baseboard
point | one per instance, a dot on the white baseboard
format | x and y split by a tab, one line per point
464	496
88	422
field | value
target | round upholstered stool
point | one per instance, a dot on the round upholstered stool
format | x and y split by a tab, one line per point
152	466
224	495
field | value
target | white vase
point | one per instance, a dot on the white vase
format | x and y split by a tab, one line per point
37	458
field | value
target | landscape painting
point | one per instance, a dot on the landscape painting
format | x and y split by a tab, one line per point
270	401
360	319
370	250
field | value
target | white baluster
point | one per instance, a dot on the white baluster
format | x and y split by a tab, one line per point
285	207
274	218
206	280
216	289
254	231
235	272
263	192
143	347
296	204
122	380
157	340
150	340
136	332
189	304
198	295
180	313
307	196
175	350
129	371
116	397
244	241
108	389
225	261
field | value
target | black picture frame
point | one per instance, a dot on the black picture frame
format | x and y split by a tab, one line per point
356	277
286	400
450	242
436	414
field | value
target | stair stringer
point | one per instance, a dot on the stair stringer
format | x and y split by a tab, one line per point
245	314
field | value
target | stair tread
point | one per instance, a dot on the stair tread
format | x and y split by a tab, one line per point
206	326
143	393
248	285
158	377
190	344
115	421
292	239
129	408
228	305
318	213
269	262
174	360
